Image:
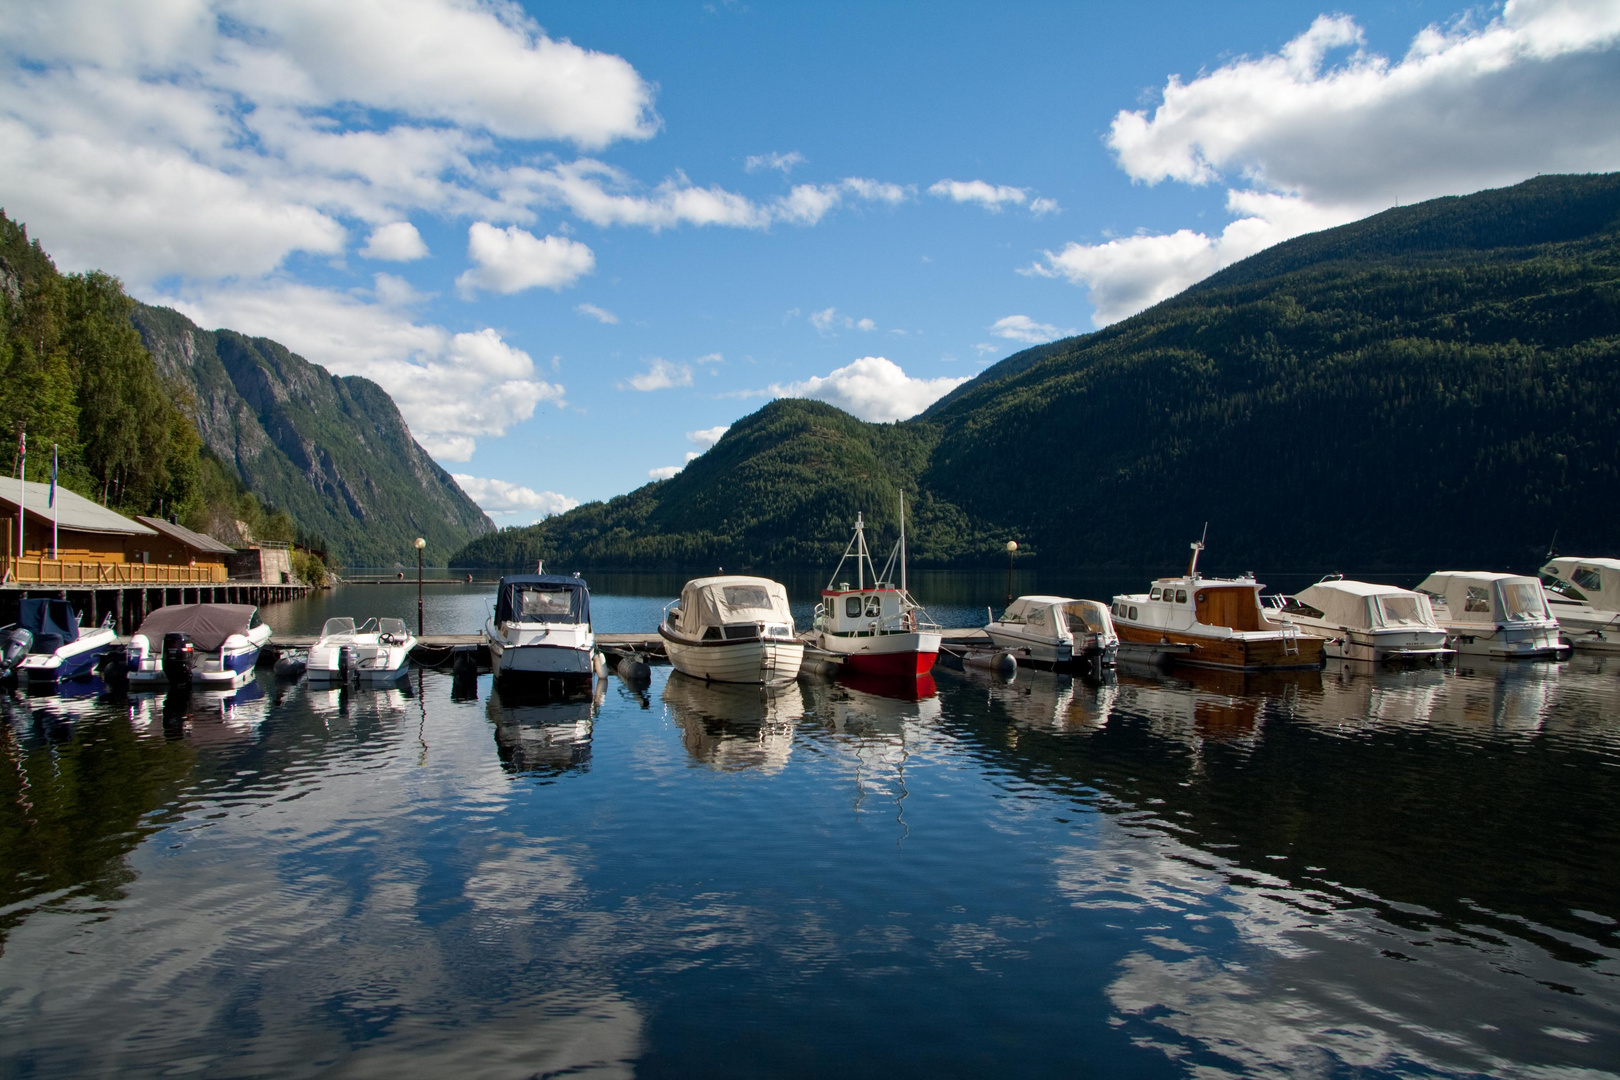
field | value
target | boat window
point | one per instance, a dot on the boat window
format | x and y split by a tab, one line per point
741	630
253	619
852	607
1132	614
1562	588
711	633
1154	595
1401	611
334	627
874	605
543	605
1037	618
747	596
392	627
1181	596
1587	577
1293	605
1083	618
1478	599
1523	600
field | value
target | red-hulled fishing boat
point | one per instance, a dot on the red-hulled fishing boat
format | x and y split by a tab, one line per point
871	623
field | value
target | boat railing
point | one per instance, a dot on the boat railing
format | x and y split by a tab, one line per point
39	570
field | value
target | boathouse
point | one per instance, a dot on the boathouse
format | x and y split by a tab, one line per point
176	545
91	540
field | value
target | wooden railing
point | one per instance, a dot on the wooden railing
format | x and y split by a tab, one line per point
39	570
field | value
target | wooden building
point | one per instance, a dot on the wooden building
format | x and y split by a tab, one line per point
92	545
176	545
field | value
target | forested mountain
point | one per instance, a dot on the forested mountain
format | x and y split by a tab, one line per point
1434	385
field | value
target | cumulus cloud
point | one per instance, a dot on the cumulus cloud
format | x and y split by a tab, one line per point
499	498
451	388
1023	328
781	162
664	472
601	315
1326	131
511	260
707	437
398	241
990	196
660	375
873	388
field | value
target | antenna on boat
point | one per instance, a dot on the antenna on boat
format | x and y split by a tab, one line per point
1198	545
902	541
1552	548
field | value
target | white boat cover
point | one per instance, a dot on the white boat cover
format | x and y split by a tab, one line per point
717	601
1361	605
1483	597
1598	579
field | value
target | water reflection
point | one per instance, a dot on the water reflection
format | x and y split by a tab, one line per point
538	733
730	726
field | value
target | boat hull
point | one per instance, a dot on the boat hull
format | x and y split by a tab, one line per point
72	661
756	660
1509	642
908	653
1248	651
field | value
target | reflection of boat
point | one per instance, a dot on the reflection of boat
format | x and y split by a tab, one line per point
46	643
1055	631
734	630
375	651
874	626
541	629
1363	621
1210	704
534	734
1210	622
1501	615
903	688
732	726
205	644
1584	595
1056	702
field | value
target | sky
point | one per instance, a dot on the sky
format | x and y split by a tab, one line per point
575	242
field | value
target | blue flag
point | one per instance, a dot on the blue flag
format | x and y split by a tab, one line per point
52	500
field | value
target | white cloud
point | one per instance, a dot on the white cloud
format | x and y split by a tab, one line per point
707	437
1321	143
664	472
990	196
865	324
511	260
1042	207
601	315
710	358
1023	328
660	375
499	498
872	388
782	162
829	319
452	389
823	319
398	241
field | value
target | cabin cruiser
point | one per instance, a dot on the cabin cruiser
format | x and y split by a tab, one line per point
375	651
876	628
733	629
541	629
46	643
1584	595
1055	631
1501	615
1363	621
196	644
1211	622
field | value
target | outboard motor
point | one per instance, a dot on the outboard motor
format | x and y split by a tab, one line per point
14	645
178	652
348	666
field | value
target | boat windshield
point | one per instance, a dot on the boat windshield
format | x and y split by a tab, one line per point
337	626
747	596
392	628
1523	600
1086	618
1403	611
542	604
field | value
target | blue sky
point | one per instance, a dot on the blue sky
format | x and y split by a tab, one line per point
576	241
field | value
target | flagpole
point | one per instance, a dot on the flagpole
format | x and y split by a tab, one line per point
22	486
56	511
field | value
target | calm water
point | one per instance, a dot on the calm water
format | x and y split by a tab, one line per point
1327	874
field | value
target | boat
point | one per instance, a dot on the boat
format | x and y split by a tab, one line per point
1490	614
1584	595
375	651
1364	621
196	645
732	629
876	626
47	645
541	632
1210	622
1056	631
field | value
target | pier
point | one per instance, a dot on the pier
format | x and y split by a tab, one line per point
129	603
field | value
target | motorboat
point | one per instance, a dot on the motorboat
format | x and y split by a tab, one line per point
1489	614
196	644
46	643
1363	621
1055	631
1210	622
733	629
377	650
1584	595
540	630
874	624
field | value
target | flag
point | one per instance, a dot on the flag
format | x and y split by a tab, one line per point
22	455
52	500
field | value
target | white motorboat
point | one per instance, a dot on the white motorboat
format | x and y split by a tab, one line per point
1363	621
1055	631
733	629
47	645
876	627
1488	614
1584	595
377	650
200	644
541	632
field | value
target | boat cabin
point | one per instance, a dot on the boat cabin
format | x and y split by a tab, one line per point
732	608
1057	617
877	608
1594	582
1178	603
542	599
1360	605
1485	598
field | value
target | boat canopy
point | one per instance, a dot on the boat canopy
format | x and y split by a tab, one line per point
718	601
543	598
1053	615
1596	581
52	622
1361	605
1483	597
207	625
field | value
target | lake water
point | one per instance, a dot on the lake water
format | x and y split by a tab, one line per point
1326	874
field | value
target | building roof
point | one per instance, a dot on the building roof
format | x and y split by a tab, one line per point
72	511
180	534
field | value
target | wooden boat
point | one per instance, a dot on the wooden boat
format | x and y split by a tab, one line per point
1210	622
1364	621
733	629
876	626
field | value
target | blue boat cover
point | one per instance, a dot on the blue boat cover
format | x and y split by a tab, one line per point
52	622
543	598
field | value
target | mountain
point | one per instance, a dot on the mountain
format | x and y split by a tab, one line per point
330	450
1432	386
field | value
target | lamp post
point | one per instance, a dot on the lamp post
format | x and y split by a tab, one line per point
1012	549
420	544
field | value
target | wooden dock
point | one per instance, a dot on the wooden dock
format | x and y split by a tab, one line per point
129	603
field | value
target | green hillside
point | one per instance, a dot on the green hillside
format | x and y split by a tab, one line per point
1435	385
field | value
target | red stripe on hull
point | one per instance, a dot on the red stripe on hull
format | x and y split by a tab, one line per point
891	664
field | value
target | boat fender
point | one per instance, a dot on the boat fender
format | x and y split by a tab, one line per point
290	667
633	670
114	667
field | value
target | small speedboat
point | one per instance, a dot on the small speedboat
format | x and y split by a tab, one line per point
375	651
213	645
1363	621
1055	631
733	629
1489	614
1584	595
47	645
541	630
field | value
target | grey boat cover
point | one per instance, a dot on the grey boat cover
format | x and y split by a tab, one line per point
208	625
